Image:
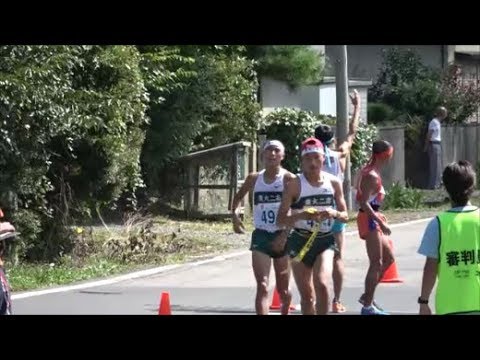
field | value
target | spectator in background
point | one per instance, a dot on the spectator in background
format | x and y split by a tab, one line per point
433	145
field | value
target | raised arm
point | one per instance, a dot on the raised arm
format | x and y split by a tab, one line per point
345	147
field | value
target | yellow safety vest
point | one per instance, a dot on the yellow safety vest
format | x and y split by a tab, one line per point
458	289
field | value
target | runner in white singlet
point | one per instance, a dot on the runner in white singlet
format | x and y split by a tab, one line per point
268	240
316	200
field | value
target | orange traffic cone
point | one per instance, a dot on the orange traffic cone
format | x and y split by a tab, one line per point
276	303
164	308
391	274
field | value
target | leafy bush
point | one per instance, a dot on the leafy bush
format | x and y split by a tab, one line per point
29	224
461	97
406	84
401	197
362	145
379	112
419	98
415	130
399	67
293	126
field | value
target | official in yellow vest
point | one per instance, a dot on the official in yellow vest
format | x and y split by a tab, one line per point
451	243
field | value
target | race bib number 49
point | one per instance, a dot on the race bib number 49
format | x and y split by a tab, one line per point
269	214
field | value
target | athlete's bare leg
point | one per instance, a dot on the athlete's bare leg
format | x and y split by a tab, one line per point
303	279
338	266
282	279
261	264
322	272
380	257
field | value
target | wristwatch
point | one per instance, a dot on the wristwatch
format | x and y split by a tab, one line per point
422	301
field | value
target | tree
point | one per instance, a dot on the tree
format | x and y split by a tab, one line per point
414	89
294	64
72	134
214	106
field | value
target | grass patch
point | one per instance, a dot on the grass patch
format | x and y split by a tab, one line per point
140	243
33	276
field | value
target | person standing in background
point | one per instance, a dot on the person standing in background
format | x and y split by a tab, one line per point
433	145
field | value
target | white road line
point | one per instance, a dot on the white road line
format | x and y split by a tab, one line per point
161	269
128	276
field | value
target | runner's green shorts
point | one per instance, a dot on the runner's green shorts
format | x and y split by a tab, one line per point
262	242
298	238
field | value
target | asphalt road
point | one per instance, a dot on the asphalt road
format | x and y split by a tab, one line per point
228	287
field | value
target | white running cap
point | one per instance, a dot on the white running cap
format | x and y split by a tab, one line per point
275	143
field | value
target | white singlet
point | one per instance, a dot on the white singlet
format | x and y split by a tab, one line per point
320	198
266	201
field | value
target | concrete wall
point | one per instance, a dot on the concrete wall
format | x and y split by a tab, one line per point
461	142
319	99
395	170
468	49
328	100
364	61
277	94
309	99
458	143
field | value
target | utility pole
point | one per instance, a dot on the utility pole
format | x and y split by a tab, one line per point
341	82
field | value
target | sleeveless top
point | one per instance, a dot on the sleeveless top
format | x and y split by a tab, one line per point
266	201
376	199
332	166
318	197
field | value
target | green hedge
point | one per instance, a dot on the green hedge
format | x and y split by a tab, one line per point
292	126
